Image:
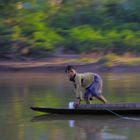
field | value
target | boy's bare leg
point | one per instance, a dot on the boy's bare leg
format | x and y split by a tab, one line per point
101	98
87	100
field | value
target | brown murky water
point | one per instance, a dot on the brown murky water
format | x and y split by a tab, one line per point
19	91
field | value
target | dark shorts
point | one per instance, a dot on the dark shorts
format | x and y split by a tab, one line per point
95	88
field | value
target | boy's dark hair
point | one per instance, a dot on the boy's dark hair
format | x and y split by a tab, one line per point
68	68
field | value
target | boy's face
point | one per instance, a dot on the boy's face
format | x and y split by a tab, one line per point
71	73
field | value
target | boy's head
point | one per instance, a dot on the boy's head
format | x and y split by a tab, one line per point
70	71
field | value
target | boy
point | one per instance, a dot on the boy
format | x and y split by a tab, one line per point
91	83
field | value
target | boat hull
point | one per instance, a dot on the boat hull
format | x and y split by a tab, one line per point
125	109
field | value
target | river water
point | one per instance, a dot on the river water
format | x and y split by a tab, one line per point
19	91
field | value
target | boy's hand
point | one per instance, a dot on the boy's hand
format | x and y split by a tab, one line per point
77	103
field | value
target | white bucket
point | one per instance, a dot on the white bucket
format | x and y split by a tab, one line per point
71	105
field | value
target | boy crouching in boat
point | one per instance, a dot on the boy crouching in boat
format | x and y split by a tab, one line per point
90	83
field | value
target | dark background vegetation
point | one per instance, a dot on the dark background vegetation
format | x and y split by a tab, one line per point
43	27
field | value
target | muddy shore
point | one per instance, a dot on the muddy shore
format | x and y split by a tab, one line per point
45	66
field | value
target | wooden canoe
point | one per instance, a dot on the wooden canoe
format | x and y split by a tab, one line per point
95	109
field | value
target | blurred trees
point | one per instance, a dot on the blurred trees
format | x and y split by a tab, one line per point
41	26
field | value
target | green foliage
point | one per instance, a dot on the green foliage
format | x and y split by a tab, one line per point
46	39
79	26
85	38
16	33
5	32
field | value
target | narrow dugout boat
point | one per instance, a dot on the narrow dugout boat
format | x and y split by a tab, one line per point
95	109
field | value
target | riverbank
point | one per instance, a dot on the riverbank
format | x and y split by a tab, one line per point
109	63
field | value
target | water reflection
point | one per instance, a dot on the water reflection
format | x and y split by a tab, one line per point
93	127
19	91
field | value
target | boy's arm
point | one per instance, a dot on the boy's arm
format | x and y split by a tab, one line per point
78	90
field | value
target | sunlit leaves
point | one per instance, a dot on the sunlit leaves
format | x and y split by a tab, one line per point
77	25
